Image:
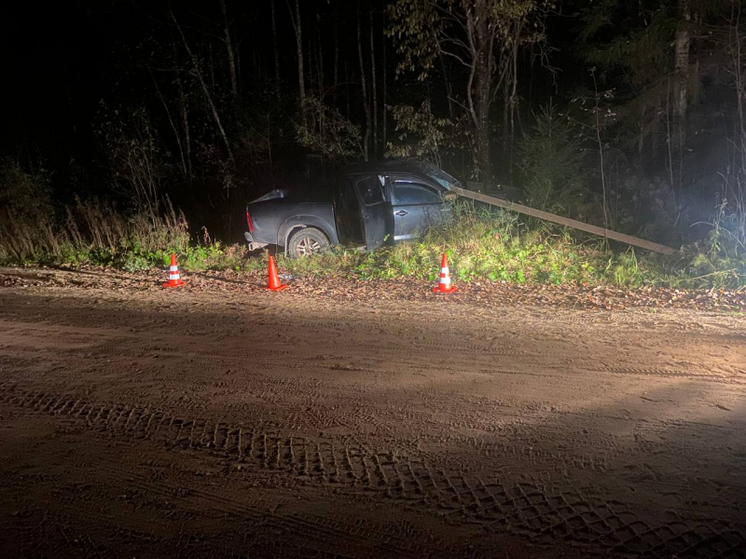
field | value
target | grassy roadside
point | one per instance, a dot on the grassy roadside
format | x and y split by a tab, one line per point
481	245
495	245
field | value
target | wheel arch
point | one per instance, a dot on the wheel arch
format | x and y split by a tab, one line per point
293	224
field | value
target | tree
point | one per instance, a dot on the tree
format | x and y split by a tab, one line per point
550	163
229	49
366	104
276	51
652	50
184	113
420	134
681	70
298	28
135	155
205	90
373	80
327	133
481	35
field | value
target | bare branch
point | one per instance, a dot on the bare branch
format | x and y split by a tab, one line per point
457	57
195	63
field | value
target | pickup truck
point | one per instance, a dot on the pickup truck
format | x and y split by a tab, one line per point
369	204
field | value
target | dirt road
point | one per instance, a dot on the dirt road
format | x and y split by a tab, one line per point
230	424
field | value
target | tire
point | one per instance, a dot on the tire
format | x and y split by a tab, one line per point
307	242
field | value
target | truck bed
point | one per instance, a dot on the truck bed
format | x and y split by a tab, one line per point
279	212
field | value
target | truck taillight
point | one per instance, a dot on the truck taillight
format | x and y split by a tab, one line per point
249	222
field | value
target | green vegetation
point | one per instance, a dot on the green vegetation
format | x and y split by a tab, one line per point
94	232
496	245
482	244
550	163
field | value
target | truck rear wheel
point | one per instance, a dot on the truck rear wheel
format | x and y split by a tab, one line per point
306	242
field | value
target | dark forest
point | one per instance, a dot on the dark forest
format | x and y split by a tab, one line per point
627	114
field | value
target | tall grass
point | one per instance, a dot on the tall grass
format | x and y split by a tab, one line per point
490	245
90	232
482	245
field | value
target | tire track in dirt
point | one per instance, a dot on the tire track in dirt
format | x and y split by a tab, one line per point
172	344
542	513
301	530
307	527
301	537
703	376
67	522
556	460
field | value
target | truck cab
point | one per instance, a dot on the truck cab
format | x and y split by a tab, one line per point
375	204
372	204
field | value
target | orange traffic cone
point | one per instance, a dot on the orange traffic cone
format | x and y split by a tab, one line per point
174	280
274	280
444	285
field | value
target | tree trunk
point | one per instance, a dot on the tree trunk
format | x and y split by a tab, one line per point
482	80
336	59
239	79
482	127
183	111
276	50
373	87
681	75
641	138
366	105
206	91
212	66
506	111
347	89
513	102
449	88
299	48
320	60
175	128
229	47
384	112
256	65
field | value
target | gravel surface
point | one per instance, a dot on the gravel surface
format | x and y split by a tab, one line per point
367	419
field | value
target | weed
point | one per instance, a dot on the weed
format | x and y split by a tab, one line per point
481	244
486	245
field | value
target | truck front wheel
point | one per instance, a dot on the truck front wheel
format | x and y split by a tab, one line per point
306	242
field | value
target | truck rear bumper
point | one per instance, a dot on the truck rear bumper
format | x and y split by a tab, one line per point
253	245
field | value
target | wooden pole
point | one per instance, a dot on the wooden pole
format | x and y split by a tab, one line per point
546	216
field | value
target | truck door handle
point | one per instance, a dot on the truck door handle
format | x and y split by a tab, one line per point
401	213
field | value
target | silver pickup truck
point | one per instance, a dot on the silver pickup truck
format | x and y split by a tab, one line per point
370	204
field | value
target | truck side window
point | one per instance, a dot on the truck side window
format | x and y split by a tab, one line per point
409	193
370	190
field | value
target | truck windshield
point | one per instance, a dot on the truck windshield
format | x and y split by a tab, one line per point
441	177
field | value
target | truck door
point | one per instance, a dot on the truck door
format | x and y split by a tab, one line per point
415	206
374	209
347	215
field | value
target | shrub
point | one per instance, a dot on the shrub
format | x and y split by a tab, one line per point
93	232
550	163
485	244
26	216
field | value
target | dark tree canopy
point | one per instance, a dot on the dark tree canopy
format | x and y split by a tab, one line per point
636	105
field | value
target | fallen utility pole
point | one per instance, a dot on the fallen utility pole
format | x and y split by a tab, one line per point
607	233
